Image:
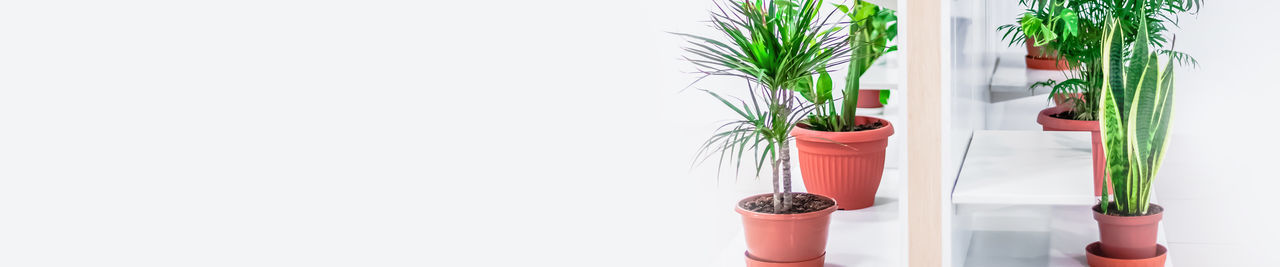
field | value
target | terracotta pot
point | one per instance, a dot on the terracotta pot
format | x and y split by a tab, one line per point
1046	64
785	238
869	99
1095	258
846	166
1040	51
1099	157
1129	237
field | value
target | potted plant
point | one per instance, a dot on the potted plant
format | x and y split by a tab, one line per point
1137	106
1080	93
842	154
774	45
1038	28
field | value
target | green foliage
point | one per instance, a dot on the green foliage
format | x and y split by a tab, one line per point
1082	48
776	46
1137	105
871	29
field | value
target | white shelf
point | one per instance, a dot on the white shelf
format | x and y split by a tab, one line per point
1011	79
1026	168
868	237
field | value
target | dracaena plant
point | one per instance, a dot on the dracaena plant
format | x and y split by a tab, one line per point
774	45
871	29
1079	40
1137	106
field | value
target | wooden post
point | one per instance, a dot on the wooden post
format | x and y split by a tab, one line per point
924	45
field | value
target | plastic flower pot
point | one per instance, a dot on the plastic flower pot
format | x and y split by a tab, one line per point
869	99
1046	64
1129	237
1099	157
785	239
1039	51
1096	259
846	166
1044	58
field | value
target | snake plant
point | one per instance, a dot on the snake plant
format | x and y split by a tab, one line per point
1136	106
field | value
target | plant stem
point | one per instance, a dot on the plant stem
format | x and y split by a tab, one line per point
852	85
785	160
777	195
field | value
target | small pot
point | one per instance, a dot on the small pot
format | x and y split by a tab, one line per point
1047	64
1095	258
785	238
846	166
1129	237
1099	156
1040	51
869	99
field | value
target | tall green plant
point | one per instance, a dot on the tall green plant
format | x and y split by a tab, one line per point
774	45
871	29
1137	105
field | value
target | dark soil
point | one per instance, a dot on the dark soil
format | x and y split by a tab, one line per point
1153	209
800	203
826	128
869	126
1066	115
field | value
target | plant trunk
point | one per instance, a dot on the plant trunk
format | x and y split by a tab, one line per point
785	160
777	195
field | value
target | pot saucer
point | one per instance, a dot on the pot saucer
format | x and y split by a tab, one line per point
1095	258
815	262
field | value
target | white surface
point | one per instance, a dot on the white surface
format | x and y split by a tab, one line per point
867	237
1012	79
1027	168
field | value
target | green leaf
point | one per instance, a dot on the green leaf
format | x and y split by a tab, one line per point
884	97
805	87
1070	23
823	88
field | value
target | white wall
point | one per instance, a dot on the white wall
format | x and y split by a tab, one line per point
352	133
1220	170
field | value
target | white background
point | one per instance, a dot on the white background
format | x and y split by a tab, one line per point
442	133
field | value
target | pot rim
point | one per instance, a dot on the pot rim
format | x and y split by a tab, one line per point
785	217
1128	220
1044	119
804	134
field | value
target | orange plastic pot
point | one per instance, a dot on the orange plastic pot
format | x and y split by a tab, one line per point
846	166
1047	63
1096	259
1099	157
1129	237
869	99
1039	51
785	238
1044	58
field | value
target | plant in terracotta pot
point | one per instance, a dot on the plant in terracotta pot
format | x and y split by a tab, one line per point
1137	107
774	45
1079	93
841	153
1044	23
